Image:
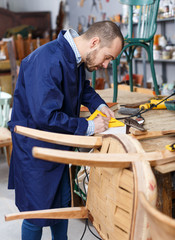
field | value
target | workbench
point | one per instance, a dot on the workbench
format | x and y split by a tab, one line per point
155	120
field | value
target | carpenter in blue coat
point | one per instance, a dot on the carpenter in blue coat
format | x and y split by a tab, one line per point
48	95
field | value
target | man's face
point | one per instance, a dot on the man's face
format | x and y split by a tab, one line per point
100	57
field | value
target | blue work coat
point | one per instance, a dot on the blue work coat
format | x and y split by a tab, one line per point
48	95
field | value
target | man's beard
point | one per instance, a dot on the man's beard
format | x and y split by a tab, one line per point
89	63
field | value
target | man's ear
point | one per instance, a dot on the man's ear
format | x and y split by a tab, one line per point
94	42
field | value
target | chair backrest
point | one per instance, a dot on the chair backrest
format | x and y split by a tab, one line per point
26	46
5	100
146	11
112	199
161	226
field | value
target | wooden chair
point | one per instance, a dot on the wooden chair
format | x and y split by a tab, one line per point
119	169
11	56
6	141
5	135
143	37
161	226
25	46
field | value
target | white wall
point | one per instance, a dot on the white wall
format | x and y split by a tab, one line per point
35	5
3	3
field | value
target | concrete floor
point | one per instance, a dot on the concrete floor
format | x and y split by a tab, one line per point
12	230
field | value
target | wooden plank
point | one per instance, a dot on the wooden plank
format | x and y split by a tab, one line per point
166	168
63	139
136	132
60	213
153	134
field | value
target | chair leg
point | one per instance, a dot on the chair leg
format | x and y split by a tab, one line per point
154	74
8	153
115	80
93	79
130	75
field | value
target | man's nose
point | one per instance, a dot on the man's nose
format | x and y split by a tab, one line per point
105	63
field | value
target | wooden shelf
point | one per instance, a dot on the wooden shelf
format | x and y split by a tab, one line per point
169	19
157	60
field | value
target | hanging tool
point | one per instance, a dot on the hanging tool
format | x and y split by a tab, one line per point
81	24
100	5
81	3
94	5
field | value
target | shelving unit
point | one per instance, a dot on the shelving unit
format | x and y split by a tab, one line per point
164	62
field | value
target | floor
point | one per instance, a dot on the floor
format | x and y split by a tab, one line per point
11	230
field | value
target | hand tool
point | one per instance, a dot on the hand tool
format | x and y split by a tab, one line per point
94	4
128	111
133	123
155	103
170	147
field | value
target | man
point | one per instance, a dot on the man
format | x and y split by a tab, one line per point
50	90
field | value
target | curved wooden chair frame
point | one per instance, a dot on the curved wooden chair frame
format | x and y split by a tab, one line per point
161	226
119	170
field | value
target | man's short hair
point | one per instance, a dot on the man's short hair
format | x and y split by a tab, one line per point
107	31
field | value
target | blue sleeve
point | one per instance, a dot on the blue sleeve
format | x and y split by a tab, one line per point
44	90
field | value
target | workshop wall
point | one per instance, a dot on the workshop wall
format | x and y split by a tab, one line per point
85	13
33	5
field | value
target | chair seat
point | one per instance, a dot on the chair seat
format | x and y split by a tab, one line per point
6	141
5	136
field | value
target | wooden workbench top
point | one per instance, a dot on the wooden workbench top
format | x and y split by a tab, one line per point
155	120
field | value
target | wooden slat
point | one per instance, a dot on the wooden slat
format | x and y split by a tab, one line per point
124	200
105	146
61	213
63	139
77	158
105	194
166	168
153	134
121	160
122	219
126	180
109	231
